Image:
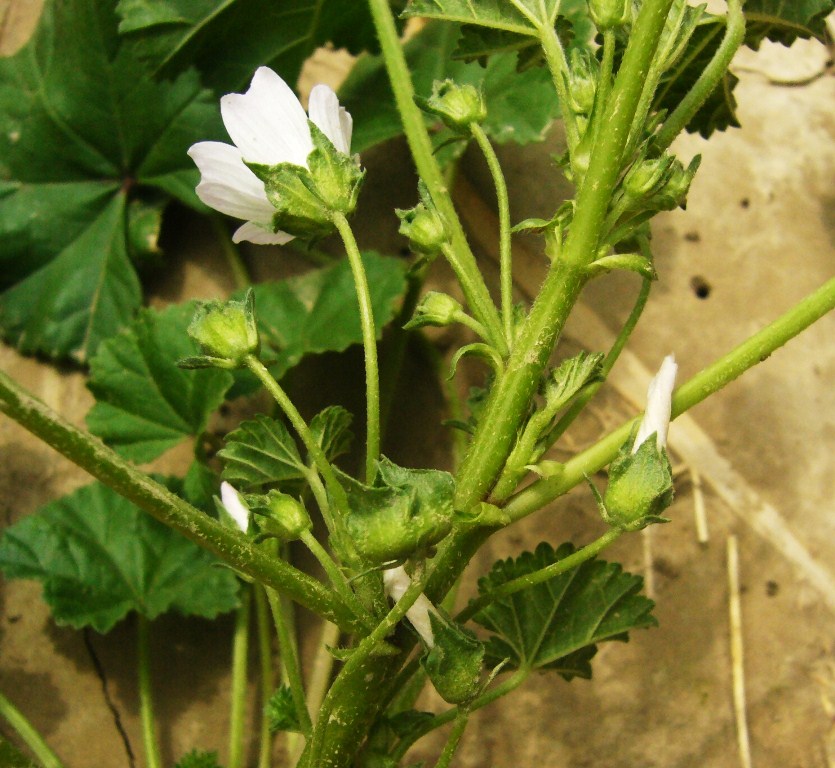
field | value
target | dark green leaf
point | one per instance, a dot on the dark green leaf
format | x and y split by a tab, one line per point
494	14
784	21
556	624
11	757
172	35
261	452
100	557
520	107
332	430
318	311
198	759
282	712
80	136
145	403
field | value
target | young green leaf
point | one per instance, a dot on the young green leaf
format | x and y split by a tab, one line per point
172	35
145	403
261	452
100	557
332	430
556	624
520	106
318	312
82	137
281	711
784	21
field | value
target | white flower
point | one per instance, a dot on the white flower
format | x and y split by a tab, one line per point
659	402
234	506
396	582
268	126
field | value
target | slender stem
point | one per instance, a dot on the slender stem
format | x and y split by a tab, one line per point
150	743
475	290
267	677
152	497
240	651
502	689
28	734
240	274
358	658
708	80
604	83
557	64
510	397
713	378
454	738
590	391
505	254
322	669
290	658
369	344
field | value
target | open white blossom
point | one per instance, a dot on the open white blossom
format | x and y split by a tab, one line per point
396	582
268	126
659	402
234	506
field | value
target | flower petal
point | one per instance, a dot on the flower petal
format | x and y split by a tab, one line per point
396	582
333	120
267	123
227	185
659	403
260	234
234	506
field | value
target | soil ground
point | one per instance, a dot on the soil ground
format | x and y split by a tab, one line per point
758	235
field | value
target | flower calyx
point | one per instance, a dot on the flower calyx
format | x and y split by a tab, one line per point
226	332
279	515
610	14
436	309
424	225
458	106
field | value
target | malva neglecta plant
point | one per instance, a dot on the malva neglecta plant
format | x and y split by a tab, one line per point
85	179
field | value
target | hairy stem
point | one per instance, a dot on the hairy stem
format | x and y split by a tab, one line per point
152	497
28	734
454	739
150	742
267	676
240	651
369	345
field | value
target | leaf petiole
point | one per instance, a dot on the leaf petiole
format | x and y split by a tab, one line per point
28	734
153	759
240	650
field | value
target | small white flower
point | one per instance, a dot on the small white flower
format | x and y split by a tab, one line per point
268	126
659	403
234	506
396	582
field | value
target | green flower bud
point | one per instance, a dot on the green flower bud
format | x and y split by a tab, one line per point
226	332
582	82
423	225
437	309
458	106
455	661
647	176
610	14
279	515
674	193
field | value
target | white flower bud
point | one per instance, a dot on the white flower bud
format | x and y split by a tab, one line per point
659	403
234	506
396	582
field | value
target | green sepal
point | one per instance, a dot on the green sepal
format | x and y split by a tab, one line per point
482	515
479	349
226	332
424	225
455	661
436	309
458	106
337	177
405	512
631	262
279	515
640	487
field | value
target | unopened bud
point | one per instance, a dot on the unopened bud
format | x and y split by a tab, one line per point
458	106
279	515
226	333
436	308
424	226
610	14
647	176
674	193
582	82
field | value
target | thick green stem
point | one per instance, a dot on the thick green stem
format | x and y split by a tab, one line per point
290	658
511	395
475	291
150	743
120	475
369	345
267	677
708	80
713	378
505	254
543	574
240	651
28	734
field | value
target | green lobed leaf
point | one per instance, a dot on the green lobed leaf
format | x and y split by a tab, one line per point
281	711
331	428
494	14
173	35
261	452
11	757
100	557
557	623
145	404
784	21
198	759
318	311
81	139
520	106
